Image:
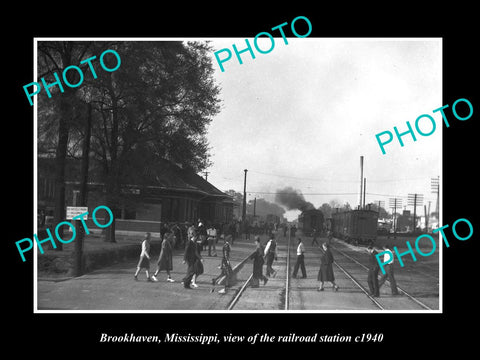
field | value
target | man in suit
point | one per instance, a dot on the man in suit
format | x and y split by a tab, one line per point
388	260
373	269
270	255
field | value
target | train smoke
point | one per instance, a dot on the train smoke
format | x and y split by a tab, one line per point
292	199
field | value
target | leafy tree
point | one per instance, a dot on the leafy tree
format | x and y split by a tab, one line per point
156	106
264	207
57	116
326	210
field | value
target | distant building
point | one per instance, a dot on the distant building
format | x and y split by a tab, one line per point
168	194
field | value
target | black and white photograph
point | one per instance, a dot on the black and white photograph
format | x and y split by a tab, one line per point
207	164
196	182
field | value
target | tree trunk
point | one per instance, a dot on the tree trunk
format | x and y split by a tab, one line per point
60	162
113	181
65	117
78	249
110	230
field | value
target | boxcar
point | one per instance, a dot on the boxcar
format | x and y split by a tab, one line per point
355	226
309	220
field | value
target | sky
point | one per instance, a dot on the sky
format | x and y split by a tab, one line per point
303	114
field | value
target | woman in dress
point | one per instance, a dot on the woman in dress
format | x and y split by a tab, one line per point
198	264
326	268
165	260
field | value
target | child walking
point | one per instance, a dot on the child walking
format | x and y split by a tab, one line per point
144	261
225	266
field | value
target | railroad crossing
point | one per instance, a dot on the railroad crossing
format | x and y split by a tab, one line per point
113	288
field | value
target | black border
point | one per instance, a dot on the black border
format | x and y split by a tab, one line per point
408	334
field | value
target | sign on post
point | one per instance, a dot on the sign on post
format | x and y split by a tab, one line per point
73	211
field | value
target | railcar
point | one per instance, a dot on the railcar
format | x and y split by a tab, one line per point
356	226
310	220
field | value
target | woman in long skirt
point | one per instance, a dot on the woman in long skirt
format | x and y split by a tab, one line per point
197	265
326	268
165	260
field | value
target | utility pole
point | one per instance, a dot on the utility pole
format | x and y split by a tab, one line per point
414	200
380	204
426	217
244	210
394	203
364	190
254	206
435	183
361	180
206	175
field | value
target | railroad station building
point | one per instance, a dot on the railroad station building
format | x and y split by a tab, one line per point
171	194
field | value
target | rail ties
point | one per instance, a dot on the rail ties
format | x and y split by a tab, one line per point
287	277
411	297
239	293
351	277
244	287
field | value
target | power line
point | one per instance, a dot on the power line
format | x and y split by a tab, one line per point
287	192
327	194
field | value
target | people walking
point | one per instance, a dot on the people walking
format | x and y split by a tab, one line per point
326	268
300	260
165	259
258	262
270	255
225	266
388	271
190	257
373	269
144	261
212	240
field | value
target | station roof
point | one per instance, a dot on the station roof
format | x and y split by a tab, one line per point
163	175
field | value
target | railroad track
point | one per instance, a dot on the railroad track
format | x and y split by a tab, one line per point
285	299
411	297
342	263
357	283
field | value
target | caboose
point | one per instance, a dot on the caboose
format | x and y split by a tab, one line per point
355	226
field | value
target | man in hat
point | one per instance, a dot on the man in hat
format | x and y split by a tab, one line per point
373	269
300	260
388	271
270	255
190	256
